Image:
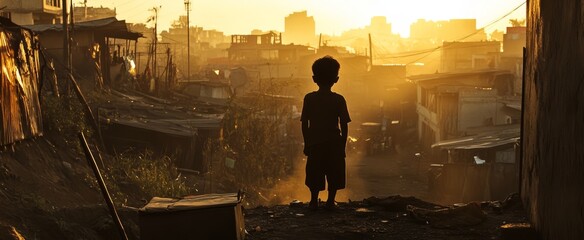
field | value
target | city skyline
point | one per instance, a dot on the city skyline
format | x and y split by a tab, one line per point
332	17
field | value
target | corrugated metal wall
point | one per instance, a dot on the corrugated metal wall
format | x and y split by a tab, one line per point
20	108
553	161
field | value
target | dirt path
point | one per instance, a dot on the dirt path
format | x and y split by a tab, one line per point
384	175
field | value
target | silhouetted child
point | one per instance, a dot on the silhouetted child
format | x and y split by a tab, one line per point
324	143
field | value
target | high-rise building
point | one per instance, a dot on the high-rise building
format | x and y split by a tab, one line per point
29	12
379	26
299	28
447	30
514	41
460	56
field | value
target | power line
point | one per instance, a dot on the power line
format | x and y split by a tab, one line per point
472	34
431	50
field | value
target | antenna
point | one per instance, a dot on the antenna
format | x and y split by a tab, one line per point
188	9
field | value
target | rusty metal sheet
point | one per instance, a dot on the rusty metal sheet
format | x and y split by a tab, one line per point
20	109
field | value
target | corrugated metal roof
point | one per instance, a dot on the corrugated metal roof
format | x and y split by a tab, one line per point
486	139
110	27
436	76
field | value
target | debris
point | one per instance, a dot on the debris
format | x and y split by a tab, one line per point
517	231
363	212
467	215
513	201
230	162
494	206
295	204
398	203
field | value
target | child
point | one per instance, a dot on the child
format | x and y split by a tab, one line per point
324	143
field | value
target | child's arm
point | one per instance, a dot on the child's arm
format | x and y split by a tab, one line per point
344	133
305	135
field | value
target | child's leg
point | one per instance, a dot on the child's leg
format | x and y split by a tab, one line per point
314	195
331	196
313	199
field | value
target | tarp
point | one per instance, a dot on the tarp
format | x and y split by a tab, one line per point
20	108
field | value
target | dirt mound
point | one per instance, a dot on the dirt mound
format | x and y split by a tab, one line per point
42	179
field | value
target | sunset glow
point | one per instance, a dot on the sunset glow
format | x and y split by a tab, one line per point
332	16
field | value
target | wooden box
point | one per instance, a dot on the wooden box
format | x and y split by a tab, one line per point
210	216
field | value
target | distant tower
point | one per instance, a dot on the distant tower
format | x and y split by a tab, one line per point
380	26
300	29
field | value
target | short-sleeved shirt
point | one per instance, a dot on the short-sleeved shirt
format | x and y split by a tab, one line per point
324	110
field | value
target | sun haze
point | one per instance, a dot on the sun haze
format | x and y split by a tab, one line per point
332	17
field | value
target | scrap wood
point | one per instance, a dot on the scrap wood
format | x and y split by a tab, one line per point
463	216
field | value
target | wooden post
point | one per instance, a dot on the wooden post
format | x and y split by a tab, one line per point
521	131
103	187
167	83
65	42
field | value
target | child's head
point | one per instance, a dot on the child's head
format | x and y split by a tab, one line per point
325	71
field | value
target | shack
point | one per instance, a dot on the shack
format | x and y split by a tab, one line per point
137	122
479	167
448	104
98	46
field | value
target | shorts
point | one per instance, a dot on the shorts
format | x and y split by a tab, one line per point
326	161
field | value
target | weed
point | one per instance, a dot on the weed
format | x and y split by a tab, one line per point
143	176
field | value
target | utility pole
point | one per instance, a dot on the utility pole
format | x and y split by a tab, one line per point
370	51
155	40
65	35
85	10
188	9
154	47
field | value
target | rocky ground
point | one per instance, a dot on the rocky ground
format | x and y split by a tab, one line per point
386	216
374	220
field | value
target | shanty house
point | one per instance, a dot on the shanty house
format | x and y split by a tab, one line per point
449	104
97	46
133	121
478	167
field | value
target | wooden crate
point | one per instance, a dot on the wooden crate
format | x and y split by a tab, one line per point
210	216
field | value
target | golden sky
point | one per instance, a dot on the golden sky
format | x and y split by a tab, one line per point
331	16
